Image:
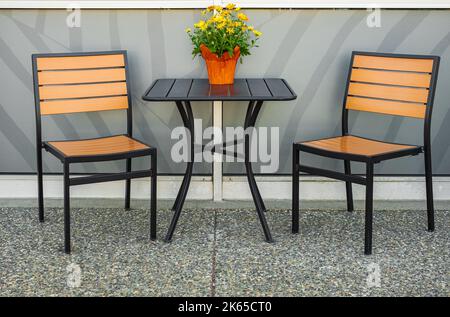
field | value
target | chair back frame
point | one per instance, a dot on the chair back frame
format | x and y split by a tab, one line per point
37	99
430	98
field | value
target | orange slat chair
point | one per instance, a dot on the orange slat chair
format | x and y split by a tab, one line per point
390	84
85	82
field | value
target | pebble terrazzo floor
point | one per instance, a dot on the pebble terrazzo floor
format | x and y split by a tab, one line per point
221	252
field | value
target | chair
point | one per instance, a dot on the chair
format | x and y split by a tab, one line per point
389	84
85	82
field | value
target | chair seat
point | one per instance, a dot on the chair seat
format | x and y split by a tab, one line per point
357	146
119	144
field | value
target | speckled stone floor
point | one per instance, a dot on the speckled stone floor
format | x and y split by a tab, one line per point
221	252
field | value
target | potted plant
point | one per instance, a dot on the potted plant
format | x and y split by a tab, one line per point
222	36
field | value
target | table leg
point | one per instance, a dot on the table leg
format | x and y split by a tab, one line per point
250	119
188	121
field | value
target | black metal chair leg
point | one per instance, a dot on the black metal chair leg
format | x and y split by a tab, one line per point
40	184
295	189
369	209
153	198
128	186
429	189
66	209
348	186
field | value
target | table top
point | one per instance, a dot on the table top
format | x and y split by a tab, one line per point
243	89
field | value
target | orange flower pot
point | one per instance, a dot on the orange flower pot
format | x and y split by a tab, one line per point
220	69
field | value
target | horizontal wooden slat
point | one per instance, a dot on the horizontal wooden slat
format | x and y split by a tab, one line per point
386	107
80	62
81	91
358	146
394	63
83	105
391	78
389	92
81	76
102	146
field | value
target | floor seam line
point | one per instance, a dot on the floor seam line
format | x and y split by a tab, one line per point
213	260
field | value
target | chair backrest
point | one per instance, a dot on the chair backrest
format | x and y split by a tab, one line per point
392	84
80	82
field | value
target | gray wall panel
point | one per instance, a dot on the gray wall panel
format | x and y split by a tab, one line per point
310	48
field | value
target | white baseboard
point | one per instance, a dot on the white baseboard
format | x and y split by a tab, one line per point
234	188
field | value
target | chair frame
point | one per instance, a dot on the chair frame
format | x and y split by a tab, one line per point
66	161
350	178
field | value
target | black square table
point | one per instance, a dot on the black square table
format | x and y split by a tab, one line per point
253	90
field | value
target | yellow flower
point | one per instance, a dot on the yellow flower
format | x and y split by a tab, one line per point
237	9
242	16
220	26
188	30
218	18
201	25
230	30
212	8
231	6
251	28
204	12
237	24
257	33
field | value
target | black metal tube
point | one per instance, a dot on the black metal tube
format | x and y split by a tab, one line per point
250	120
248	115
427	144
154	197
128	185
184	118
40	180
255	113
332	174
429	188
253	189
108	177
66	209
348	186
295	188
185	186
37	109
251	179
369	210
